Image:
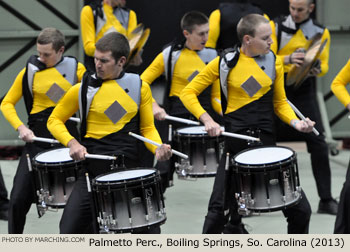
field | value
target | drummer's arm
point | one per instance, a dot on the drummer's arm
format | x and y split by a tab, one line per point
214	28
339	83
152	72
65	108
324	57
88	30
132	22
147	127
189	96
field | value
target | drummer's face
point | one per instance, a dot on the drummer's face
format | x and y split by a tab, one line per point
260	44
197	39
106	66
300	10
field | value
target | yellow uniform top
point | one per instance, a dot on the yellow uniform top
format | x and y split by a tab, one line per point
339	85
98	125
88	29
187	63
237	97
42	82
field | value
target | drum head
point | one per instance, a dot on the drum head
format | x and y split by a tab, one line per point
263	155
125	175
195	130
60	155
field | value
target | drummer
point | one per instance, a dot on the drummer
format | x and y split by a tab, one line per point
112	103
181	61
342	223
42	83
254	85
293	34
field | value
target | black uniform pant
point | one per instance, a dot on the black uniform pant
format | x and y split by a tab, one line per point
23	191
79	215
342	222
222	197
304	98
4	202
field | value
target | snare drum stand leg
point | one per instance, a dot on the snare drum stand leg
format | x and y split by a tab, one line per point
226	182
93	209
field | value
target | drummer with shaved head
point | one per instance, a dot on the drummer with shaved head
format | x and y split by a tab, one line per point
252	90
292	35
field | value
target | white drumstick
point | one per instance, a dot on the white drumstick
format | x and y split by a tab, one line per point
178	119
104	157
75	119
302	117
45	140
229	134
157	144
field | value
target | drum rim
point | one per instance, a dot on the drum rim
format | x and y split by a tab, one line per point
123	181
204	134
282	162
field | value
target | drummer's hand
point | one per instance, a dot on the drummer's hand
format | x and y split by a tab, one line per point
303	126
210	125
76	150
297	58
158	112
25	134
316	70
163	152
107	2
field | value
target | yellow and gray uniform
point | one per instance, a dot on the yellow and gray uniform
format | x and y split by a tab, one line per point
121	20
254	88
109	111
180	66
41	89
339	85
288	36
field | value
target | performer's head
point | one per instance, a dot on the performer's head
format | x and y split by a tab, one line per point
300	10
195	28
254	33
50	46
115	3
111	53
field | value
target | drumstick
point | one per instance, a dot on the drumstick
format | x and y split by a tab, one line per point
75	119
45	140
104	157
229	134
157	144
302	117
178	119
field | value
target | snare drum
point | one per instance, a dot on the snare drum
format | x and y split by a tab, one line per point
204	152
128	200
57	173
267	178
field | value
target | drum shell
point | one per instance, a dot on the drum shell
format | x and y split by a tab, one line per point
267	187
204	153
129	205
55	180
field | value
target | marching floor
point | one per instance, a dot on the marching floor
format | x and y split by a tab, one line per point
186	202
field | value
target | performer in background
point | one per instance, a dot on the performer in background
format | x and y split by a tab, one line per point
252	88
180	62
342	223
4	201
293	34
42	83
101	17
112	103
223	23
